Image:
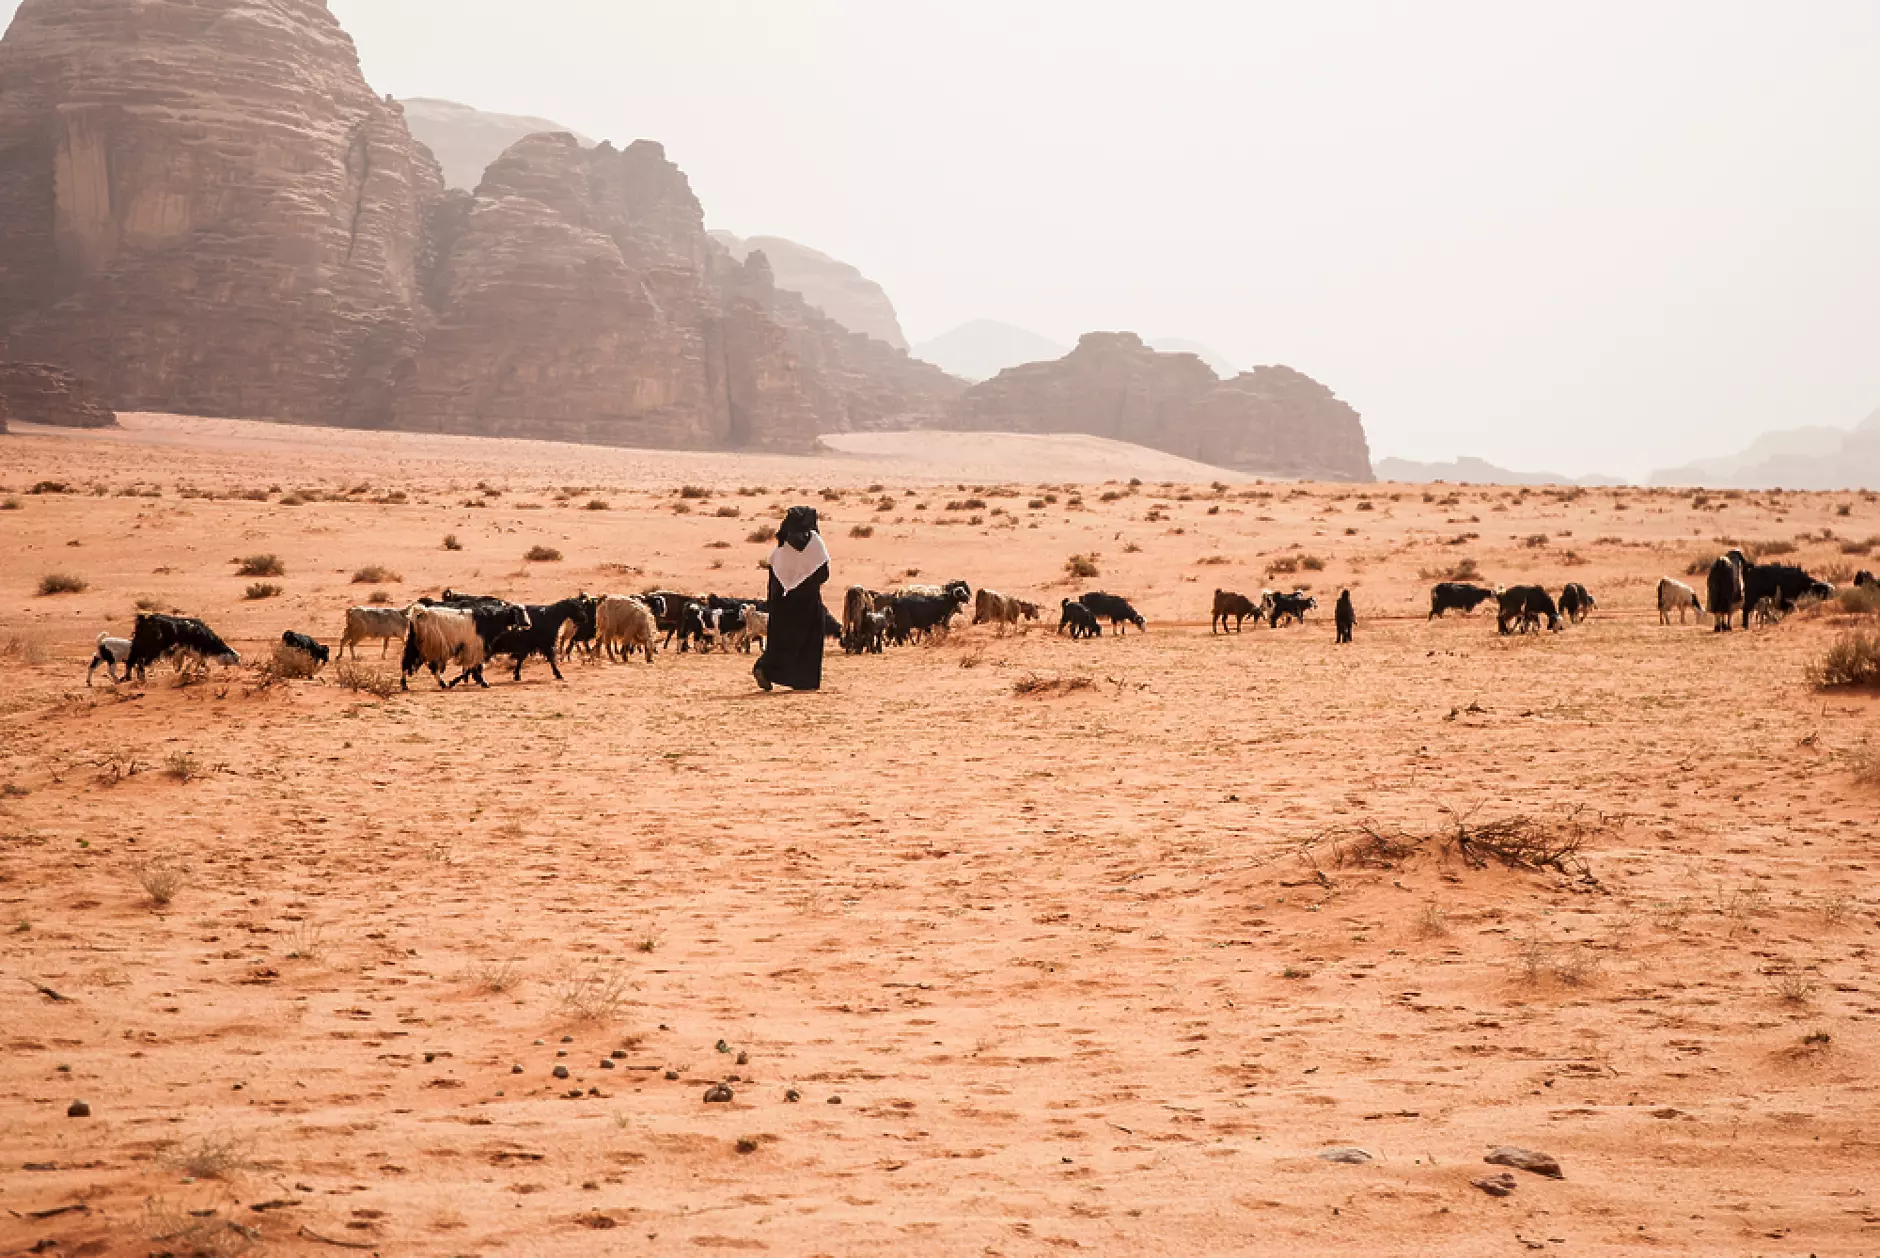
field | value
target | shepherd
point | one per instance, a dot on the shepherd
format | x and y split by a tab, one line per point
798	568
1345	615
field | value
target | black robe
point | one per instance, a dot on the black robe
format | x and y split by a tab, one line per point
793	643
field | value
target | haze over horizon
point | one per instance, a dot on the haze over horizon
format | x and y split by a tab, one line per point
1604	238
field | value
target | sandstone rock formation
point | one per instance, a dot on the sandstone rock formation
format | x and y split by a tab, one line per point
35	393
579	297
835	288
465	140
983	348
204	208
1271	421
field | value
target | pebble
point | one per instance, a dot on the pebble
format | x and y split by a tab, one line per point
835	1100
672	1074
1341	1153
716	1093
619	1054
561	1072
607	1063
567	1039
561	1052
540	1041
793	1096
516	1069
744	1059
1526	1160
78	1109
1495	1185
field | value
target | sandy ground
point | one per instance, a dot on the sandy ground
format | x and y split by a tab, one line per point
1103	968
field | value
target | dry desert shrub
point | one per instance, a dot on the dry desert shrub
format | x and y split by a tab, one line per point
1792	989
593	994
209	1157
258	590
1852	659
694	492
862	531
1084	566
260	566
597	504
451	542
61	583
1431	922
1034	684
729	511
160	878
10	503
182	766
375	574
305	940
762	533
362	679
197	1233
1573	966
1861	600
24	648
542	554
1312	563
496	977
288	664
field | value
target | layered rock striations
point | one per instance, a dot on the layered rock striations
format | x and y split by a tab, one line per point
466	140
35	393
833	287
204	208
1272	420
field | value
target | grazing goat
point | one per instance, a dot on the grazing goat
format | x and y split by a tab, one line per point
1344	616
1456	596
1864	578
856	603
1575	602
923	615
1781	584
1675	596
1079	619
306	646
1113	609
1295	605
541	635
992	607
181	638
624	625
1227	603
1524	605
873	631
1724	590
755	629
442	635
366	623
958	591
111	653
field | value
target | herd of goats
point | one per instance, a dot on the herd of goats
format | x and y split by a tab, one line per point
464	631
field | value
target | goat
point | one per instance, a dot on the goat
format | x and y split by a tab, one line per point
306	646
625	625
1675	596
111	653
541	634
366	623
1079	619
1227	603
181	638
1116	610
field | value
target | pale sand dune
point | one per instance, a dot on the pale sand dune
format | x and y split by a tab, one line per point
1101	971
856	458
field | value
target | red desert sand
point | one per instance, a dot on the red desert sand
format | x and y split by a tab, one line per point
1175	943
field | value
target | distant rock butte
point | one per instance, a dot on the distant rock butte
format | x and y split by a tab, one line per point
205	209
983	348
465	140
35	393
837	289
1465	470
1270	421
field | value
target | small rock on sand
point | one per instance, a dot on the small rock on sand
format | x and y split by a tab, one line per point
1342	1153
561	1072
718	1092
78	1109
1526	1160
1495	1185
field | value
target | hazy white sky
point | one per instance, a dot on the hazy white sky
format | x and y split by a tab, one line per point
1587	236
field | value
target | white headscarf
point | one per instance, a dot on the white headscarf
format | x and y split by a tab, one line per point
792	567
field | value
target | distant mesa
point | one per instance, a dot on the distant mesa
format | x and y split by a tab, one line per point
1271	421
833	287
36	393
1217	362
1816	457
983	348
1471	471
465	140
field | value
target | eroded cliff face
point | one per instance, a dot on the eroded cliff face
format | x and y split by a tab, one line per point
204	208
833	287
1272	420
35	393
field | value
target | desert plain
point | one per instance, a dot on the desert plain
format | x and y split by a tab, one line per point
1003	945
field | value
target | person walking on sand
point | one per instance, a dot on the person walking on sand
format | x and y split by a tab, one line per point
1345	616
793	646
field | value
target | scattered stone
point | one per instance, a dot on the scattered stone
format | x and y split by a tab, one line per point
1495	1185
516	1069
607	1063
561	1052
541	1042
1342	1153
78	1109
722	1047
567	1039
429	1058
718	1092
744	1059
792	1096
619	1054
672	1074
561	1072
1526	1160
835	1100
